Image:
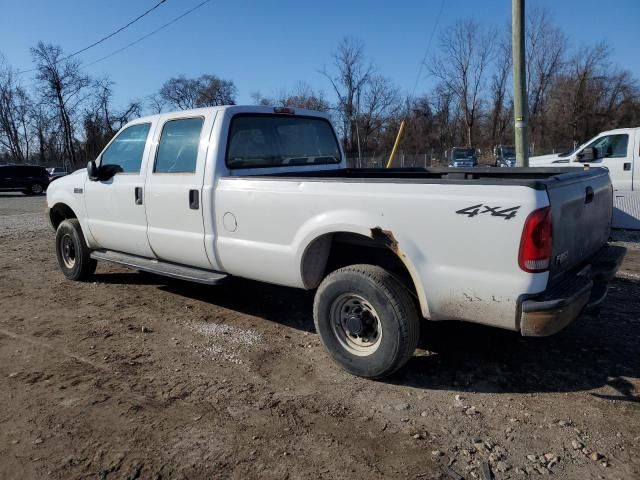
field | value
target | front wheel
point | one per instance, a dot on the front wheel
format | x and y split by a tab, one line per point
367	320
72	252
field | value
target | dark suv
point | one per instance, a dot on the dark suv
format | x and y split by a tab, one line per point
27	179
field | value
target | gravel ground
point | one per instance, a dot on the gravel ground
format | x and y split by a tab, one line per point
136	376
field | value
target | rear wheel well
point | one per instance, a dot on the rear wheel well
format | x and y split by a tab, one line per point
332	251
60	212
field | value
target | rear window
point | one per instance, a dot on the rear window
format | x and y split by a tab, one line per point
259	141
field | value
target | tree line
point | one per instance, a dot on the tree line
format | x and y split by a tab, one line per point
67	116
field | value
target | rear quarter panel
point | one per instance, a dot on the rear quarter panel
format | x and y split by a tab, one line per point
464	265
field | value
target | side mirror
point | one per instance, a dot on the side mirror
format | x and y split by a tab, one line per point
588	154
92	171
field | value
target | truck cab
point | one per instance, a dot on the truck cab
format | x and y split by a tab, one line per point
618	151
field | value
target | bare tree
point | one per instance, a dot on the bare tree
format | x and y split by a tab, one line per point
379	103
353	72
302	96
500	113
62	86
102	120
546	47
466	51
44	129
447	116
205	91
259	99
15	109
155	103
589	67
367	101
215	91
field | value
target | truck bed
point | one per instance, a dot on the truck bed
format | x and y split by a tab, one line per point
537	178
580	199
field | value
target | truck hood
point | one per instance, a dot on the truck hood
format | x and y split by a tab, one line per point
545	160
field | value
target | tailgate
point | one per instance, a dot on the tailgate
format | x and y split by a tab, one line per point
581	206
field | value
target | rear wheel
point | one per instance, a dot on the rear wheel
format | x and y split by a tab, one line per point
72	252
367	320
34	189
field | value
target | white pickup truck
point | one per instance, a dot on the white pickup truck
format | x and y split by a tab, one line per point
619	151
263	193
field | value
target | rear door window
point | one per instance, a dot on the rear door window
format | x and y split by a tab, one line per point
178	148
259	140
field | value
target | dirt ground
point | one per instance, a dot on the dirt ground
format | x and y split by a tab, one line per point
135	376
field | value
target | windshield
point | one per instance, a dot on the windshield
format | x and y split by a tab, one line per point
508	152
464	153
258	141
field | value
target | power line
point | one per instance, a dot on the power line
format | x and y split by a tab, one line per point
148	34
117	31
424	57
105	38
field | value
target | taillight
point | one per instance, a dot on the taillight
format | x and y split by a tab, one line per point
535	245
287	110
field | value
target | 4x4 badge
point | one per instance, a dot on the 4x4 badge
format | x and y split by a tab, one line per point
473	210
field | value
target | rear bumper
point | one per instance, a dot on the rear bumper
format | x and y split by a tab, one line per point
551	311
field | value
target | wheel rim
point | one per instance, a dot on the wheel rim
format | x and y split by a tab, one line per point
68	251
36	188
356	324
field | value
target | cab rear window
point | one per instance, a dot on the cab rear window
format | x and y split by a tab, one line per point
260	141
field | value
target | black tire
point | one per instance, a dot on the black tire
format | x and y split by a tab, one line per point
35	189
354	291
72	251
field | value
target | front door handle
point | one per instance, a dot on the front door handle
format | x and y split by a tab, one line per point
627	167
194	199
138	195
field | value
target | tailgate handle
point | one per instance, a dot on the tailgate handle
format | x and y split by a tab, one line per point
588	198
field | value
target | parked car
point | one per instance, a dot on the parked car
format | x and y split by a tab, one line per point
30	180
462	157
264	193
56	172
504	156
619	151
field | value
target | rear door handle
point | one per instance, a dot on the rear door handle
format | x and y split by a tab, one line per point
627	167
194	199
138	195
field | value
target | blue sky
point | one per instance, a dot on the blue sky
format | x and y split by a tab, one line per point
269	45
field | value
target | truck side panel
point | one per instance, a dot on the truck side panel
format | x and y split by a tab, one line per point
464	258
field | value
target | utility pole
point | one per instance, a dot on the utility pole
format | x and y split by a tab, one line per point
519	83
